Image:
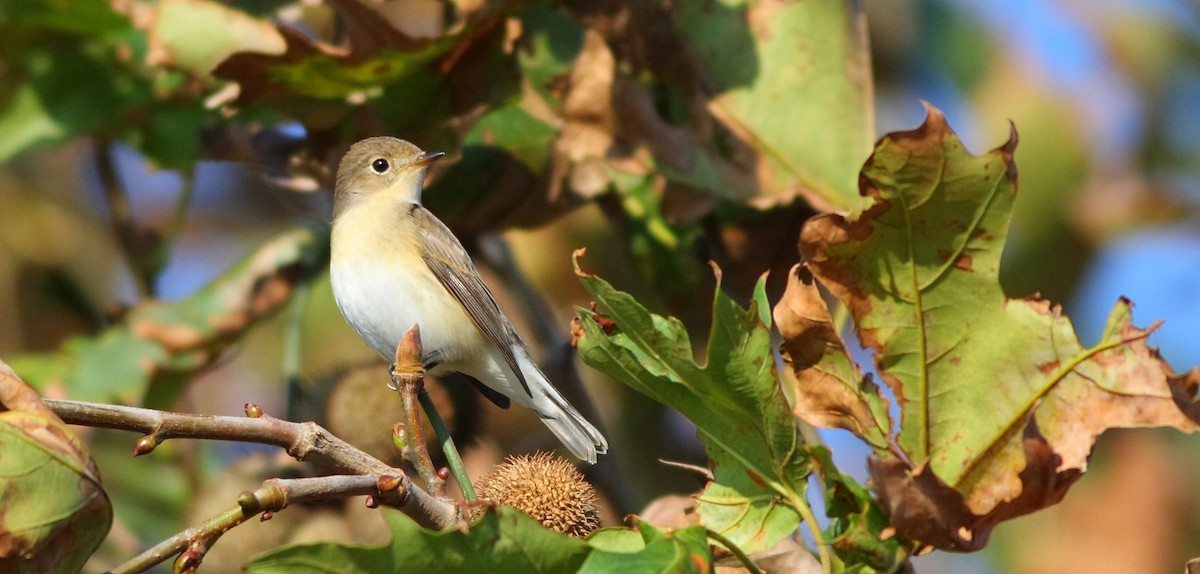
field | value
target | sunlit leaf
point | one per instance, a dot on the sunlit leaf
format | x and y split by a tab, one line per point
197	34
502	541
680	551
734	399
1000	404
793	80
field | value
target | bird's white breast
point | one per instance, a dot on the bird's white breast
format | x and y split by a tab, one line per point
383	287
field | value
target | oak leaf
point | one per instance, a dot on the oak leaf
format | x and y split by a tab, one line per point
1000	403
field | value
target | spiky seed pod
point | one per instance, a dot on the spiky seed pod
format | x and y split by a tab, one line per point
546	487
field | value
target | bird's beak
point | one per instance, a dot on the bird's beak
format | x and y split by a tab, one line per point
427	158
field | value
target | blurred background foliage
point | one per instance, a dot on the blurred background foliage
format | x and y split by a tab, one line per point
164	199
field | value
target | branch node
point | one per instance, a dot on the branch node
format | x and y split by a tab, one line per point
188	561
249	503
145	445
388	482
252	410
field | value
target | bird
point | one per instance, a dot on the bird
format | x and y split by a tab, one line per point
394	264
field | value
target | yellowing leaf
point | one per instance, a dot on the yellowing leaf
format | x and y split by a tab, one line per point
53	510
197	34
793	81
1000	403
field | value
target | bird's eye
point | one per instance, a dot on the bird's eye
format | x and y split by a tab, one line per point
380	165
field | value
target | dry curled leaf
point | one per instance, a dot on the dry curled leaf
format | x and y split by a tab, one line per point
829	388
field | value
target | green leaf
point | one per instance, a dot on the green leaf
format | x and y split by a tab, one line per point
857	522
504	540
685	550
551	42
614	539
735	401
813	56
328	77
64	92
744	510
74	17
159	341
1000	403
501	174
53	509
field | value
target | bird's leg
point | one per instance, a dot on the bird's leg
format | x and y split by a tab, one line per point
408	377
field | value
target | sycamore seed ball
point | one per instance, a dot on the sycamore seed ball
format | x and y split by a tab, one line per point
547	488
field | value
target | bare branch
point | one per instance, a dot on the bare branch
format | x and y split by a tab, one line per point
121	215
272	496
307	441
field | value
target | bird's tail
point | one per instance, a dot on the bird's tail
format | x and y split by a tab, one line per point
579	436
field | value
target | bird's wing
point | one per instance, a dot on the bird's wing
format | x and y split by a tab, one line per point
445	256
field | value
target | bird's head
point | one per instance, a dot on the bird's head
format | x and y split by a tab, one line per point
382	165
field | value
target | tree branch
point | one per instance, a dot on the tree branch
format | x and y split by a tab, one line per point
121	216
307	442
272	496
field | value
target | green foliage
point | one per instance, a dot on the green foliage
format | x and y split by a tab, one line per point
503	540
734	400
1000	404
812	55
162	342
654	550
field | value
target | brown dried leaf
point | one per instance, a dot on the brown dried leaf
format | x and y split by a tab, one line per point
829	391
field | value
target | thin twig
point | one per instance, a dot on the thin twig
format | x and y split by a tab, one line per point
305	441
735	550
121	215
408	378
162	247
703	472
272	496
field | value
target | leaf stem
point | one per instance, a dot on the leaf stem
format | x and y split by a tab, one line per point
453	460
806	514
735	550
160	251
293	340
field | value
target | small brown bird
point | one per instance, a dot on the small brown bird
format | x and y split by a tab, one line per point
395	265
